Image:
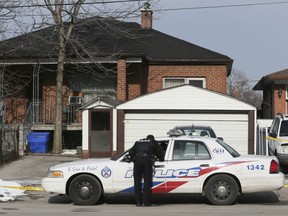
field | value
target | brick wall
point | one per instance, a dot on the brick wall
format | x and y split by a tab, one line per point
121	80
49	98
16	109
280	103
134	90
146	19
49	104
215	76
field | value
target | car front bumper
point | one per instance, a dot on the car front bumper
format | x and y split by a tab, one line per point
54	185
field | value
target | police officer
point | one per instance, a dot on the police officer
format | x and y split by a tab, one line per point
142	154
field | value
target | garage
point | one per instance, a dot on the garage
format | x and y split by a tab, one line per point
157	112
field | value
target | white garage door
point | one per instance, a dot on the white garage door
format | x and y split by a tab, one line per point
232	127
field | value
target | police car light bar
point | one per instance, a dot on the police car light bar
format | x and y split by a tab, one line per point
175	132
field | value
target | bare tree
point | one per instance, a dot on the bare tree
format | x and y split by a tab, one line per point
11	82
7	13
63	15
57	9
238	85
13	14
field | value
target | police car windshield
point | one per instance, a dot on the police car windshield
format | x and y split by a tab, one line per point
232	151
284	128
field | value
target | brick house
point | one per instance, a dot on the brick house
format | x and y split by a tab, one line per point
141	61
275	97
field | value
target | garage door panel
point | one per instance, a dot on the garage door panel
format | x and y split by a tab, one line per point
188	116
233	128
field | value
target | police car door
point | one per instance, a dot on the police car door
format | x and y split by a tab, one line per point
159	175
123	181
183	168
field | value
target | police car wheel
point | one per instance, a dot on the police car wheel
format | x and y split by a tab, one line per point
85	190
221	190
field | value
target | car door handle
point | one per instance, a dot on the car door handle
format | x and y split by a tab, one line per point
204	165
159	166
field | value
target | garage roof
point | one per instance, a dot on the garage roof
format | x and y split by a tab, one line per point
185	97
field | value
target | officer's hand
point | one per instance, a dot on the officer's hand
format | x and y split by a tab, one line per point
126	158
160	159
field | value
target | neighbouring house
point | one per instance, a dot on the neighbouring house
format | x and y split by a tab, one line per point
107	62
275	97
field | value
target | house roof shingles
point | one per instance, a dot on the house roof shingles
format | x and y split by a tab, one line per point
105	37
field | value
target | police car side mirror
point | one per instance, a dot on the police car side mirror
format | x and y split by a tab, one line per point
126	159
220	138
273	134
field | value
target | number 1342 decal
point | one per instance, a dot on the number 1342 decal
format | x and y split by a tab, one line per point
256	167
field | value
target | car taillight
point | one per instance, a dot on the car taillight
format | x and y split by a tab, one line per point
274	167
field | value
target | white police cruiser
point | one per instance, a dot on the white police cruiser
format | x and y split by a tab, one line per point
200	165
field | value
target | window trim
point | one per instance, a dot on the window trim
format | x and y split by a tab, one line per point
287	92
186	80
198	78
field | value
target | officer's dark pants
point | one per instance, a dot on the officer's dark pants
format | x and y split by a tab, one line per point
143	167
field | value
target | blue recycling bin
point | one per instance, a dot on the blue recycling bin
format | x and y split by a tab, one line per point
38	142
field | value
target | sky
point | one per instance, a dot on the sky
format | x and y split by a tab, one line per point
253	33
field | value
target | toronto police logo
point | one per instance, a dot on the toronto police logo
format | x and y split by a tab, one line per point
106	172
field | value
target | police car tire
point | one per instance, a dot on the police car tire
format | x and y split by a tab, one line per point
85	190
221	189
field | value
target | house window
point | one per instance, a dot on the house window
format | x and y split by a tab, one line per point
172	82
75	100
286	92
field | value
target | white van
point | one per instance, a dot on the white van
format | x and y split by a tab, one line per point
278	138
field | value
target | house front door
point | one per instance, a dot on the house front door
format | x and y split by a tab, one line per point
100	139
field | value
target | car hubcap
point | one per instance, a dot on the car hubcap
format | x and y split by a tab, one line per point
222	190
85	189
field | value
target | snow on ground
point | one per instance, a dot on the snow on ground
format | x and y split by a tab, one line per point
69	152
9	191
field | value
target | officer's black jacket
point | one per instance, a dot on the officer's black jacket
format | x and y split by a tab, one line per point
150	147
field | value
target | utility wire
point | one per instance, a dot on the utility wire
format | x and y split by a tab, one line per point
224	6
155	10
163	9
71	4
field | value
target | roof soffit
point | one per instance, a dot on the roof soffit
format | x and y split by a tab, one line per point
280	77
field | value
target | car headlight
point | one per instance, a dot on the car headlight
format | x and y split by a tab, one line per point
55	174
284	149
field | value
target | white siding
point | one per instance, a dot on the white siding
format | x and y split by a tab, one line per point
183	98
232	127
85	130
85	125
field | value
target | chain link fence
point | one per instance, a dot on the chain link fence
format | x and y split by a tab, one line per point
9	142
